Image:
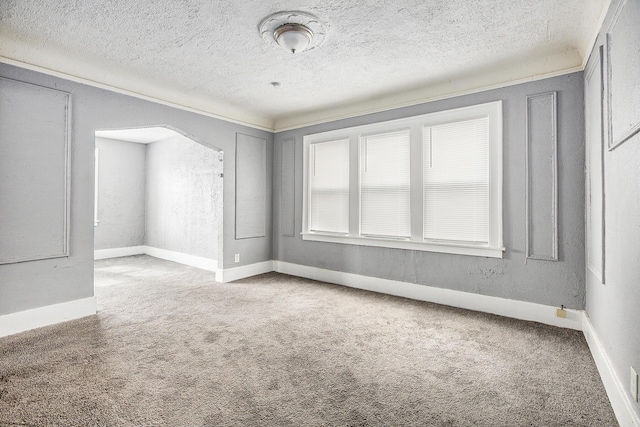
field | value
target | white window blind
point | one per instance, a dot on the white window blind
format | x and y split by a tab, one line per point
456	181
385	202
329	187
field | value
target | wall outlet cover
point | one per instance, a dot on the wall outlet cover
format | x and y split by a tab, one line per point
237	259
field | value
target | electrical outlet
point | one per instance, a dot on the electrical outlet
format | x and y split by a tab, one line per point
237	257
633	384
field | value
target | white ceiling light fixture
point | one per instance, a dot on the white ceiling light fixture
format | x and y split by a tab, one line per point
295	32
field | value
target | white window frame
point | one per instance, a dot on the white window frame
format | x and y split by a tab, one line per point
493	249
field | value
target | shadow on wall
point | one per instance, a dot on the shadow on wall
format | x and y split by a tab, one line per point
159	192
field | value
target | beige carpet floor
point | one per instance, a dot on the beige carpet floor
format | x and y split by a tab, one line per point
171	347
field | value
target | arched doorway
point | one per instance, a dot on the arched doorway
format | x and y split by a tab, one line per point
158	192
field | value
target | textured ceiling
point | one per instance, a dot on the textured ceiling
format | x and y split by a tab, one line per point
208	54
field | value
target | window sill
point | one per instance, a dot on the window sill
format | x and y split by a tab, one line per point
472	250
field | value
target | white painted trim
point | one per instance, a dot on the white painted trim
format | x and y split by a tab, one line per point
249	120
186	259
262	123
423	100
237	273
21	321
118	252
470	301
179	257
616	391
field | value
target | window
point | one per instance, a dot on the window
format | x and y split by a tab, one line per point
456	181
385	198
431	183
329	187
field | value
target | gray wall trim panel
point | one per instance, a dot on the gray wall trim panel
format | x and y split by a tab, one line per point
597	64
13	237
251	191
542	177
623	87
287	203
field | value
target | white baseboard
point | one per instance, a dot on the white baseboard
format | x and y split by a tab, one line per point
179	257
118	252
488	304
44	316
616	390
237	273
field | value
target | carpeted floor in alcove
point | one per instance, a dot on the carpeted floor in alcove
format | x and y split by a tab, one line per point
171	347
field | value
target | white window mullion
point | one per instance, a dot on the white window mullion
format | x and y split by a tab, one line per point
354	185
417	204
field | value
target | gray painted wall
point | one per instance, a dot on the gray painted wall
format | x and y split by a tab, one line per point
39	283
121	194
184	192
514	277
613	307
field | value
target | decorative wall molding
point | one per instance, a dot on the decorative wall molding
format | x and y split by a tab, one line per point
623	103
595	68
288	188
38	118
616	390
542	177
21	321
251	190
470	301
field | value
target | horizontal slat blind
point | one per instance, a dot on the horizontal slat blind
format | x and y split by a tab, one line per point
385	208
456	181
329	187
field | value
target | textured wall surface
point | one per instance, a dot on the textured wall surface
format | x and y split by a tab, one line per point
184	193
613	307
514	277
121	194
35	284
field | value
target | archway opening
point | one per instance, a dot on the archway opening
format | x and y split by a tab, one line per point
158	192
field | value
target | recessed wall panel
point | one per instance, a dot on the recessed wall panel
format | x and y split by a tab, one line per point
542	197
594	194
34	198
623	80
287	201
251	180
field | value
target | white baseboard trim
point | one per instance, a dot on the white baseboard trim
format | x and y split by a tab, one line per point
237	273
488	304
118	252
616	390
44	316
179	257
